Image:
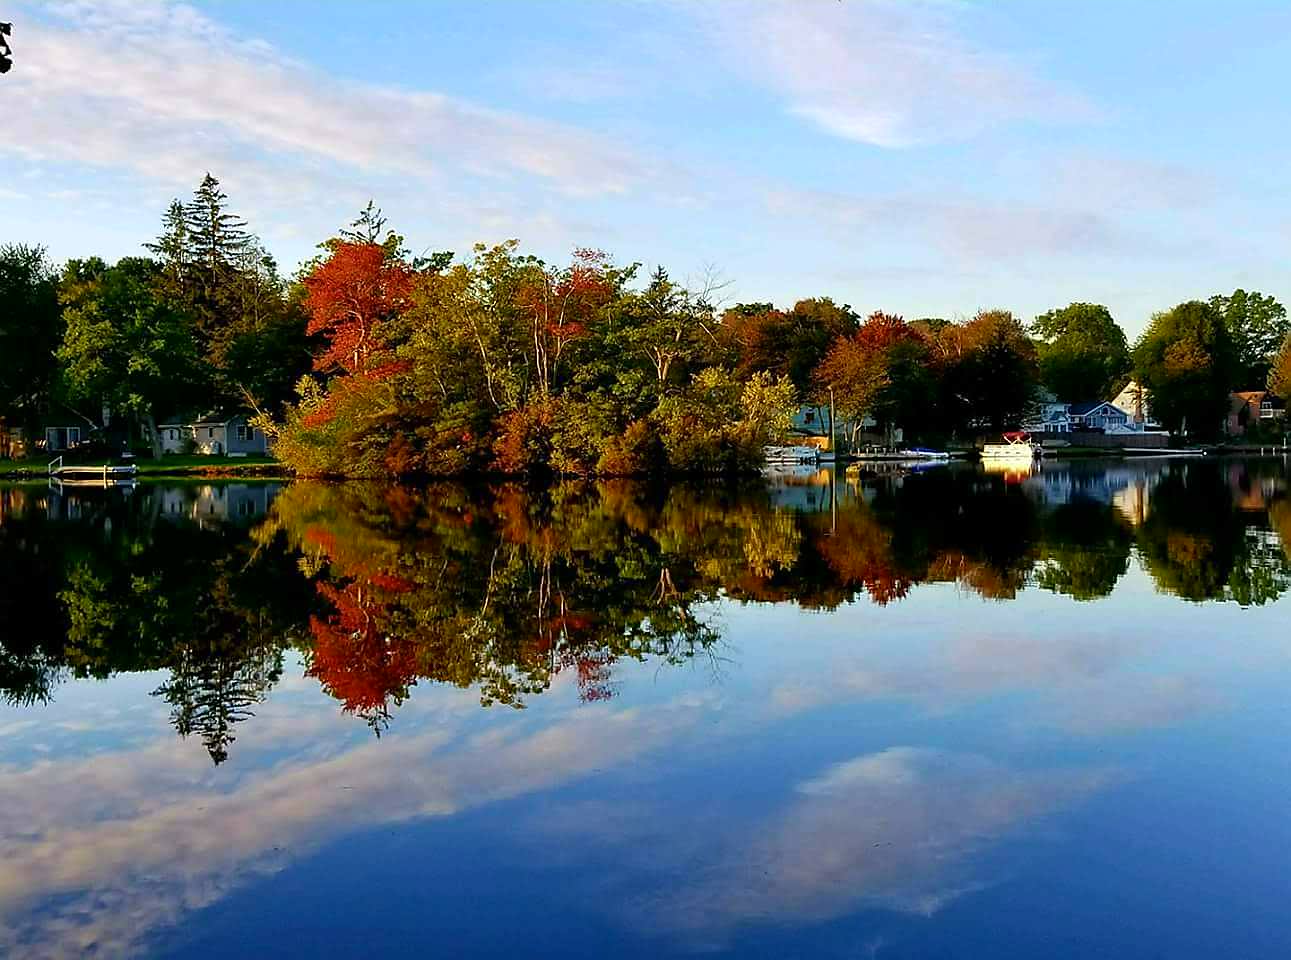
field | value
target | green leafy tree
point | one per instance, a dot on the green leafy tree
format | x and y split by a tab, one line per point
1186	361
670	328
1257	325
1083	353
30	330
1279	381
996	373
124	347
719	425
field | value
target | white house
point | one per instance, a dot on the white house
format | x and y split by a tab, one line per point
1101	415
1126	414
1133	399
214	434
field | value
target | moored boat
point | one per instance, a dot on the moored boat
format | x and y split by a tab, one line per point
1017	446
784	454
924	453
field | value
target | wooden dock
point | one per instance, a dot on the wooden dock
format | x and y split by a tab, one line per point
105	474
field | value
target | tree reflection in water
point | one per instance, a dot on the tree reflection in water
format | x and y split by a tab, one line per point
504	589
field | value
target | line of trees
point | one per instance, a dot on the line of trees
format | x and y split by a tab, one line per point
376	362
205	321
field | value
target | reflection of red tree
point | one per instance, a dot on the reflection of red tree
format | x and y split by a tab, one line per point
355	659
860	552
594	675
984	579
572	636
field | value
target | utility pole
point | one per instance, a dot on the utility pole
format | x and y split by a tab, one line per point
833	434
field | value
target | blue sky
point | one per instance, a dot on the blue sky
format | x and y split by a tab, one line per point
927	158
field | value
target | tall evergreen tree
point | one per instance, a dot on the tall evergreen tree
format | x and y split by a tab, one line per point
217	239
173	249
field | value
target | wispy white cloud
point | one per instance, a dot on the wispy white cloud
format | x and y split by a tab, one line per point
901	829
116	847
887	73
160	90
964	228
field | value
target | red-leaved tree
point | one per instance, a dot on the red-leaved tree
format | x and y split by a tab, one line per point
561	304
349	296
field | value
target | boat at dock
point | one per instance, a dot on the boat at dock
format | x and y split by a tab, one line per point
791	454
904	455
1017	447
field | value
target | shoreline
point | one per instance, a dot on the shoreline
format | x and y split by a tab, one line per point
264	471
278	471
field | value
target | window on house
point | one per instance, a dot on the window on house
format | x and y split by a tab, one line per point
210	433
245	432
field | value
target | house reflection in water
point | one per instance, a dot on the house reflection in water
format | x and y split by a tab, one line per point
223	503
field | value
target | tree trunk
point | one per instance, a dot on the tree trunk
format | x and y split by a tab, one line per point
154	435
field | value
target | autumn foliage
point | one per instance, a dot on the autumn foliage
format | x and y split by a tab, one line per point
348	297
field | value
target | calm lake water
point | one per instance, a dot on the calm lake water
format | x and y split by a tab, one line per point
943	714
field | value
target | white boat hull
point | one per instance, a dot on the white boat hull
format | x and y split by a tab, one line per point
803	454
1015	452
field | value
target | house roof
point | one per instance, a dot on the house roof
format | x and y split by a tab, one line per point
60	416
1089	406
214	418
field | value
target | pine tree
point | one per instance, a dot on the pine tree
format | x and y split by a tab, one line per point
217	239
172	248
214	248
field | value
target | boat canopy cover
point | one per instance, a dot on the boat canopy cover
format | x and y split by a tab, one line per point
1016	436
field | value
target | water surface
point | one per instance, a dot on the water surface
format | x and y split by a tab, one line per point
950	713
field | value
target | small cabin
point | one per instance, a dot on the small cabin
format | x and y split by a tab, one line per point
225	434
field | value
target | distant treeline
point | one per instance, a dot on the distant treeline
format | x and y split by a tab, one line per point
376	362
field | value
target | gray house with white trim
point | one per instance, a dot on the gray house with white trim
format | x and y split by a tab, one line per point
222	433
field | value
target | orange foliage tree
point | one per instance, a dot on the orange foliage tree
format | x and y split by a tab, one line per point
560	304
349	296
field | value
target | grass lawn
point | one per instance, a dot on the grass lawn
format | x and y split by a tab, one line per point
195	463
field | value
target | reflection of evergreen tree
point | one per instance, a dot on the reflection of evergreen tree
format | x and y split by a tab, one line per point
210	691
118	589
31	622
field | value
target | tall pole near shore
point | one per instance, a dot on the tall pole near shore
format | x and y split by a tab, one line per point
833	434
